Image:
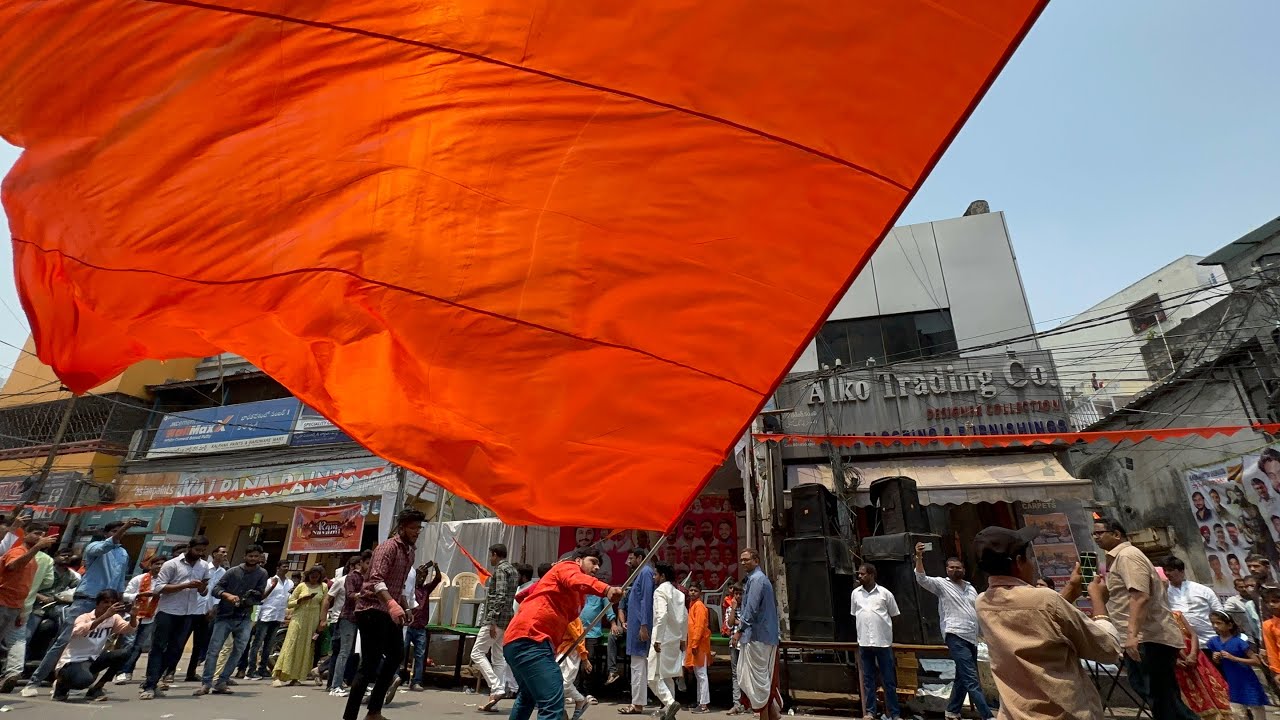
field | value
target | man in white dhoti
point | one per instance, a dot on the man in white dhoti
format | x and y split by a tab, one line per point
670	628
756	638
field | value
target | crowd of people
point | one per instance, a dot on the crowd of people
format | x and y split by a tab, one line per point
659	621
1187	653
104	622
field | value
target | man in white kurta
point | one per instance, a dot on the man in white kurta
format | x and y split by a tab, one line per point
670	628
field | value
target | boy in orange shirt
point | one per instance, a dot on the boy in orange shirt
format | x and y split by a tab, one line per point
698	655
1271	631
580	658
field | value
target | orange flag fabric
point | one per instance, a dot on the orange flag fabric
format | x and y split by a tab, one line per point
549	254
481	570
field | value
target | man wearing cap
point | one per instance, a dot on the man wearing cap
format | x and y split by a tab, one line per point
1036	637
1136	601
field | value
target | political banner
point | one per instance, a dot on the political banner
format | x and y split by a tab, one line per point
1236	506
703	547
336	528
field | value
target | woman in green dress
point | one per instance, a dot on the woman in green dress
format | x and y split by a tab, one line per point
306	610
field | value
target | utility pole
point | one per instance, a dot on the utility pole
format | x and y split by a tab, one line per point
402	485
33	493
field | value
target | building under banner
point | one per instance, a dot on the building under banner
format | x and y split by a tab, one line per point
268	471
933	339
929	489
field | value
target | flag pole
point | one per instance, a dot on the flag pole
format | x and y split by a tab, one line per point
662	539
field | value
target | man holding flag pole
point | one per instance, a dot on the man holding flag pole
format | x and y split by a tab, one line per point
546	609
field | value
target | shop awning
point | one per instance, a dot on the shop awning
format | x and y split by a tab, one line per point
956	481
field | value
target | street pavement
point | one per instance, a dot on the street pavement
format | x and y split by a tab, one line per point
254	701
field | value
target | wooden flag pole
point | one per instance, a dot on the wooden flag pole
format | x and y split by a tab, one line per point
630	580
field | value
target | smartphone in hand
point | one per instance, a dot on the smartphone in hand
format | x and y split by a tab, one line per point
1088	566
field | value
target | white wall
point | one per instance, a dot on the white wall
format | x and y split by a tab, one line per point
966	264
1113	350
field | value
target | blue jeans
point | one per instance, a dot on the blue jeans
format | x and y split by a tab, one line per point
77	608
965	655
141	644
340	657
417	639
264	634
541	685
879	662
238	629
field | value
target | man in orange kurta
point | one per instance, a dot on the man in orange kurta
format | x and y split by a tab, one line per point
698	654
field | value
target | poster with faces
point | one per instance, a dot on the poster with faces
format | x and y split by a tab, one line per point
1236	506
703	547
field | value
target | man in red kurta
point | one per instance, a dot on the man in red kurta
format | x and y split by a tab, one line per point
546	609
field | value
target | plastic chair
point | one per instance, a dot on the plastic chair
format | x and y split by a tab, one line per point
466	584
435	615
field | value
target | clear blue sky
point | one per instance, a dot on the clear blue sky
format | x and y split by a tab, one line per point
1122	135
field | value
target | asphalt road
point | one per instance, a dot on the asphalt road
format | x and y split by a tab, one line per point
251	701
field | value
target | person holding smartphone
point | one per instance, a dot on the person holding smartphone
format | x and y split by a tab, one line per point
958	616
106	567
87	663
181	584
17	573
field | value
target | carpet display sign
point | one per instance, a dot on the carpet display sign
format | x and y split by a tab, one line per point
703	547
336	528
1236	506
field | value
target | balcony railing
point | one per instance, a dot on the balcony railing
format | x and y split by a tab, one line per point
98	422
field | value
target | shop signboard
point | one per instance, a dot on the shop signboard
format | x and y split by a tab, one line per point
221	429
336	528
703	546
144	488
56	494
1236	506
308	482
980	395
312	428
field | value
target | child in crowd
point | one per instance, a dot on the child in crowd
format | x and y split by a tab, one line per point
577	659
698	647
1236	659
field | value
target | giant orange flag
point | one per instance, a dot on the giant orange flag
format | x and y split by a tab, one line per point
551	254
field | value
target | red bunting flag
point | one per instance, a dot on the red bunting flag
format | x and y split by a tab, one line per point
1114	436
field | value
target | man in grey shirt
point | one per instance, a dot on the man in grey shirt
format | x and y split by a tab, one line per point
237	591
958	615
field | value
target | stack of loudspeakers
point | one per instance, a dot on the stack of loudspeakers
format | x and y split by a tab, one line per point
819	569
904	523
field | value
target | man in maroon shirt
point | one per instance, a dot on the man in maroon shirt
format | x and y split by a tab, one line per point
546	609
380	615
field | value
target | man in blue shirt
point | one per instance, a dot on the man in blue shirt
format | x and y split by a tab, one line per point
590	614
106	567
757	639
639	618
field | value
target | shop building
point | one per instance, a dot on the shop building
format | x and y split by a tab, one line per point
232	455
934	340
1211	500
87	453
